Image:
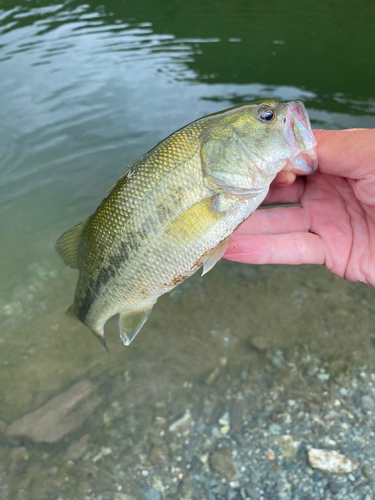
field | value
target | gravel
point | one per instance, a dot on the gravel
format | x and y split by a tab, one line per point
279	443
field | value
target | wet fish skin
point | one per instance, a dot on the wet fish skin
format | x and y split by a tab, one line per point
176	207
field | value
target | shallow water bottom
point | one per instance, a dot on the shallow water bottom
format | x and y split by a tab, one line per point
199	405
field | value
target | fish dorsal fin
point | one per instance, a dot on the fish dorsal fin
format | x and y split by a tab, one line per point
215	255
127	174
131	322
67	245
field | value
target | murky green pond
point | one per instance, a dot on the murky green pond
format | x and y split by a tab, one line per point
236	376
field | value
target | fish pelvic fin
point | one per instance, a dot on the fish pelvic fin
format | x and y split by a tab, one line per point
131	322
67	245
215	255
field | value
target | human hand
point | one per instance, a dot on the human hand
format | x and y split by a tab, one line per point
335	224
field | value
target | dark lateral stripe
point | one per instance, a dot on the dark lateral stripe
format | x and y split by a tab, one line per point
116	261
92	292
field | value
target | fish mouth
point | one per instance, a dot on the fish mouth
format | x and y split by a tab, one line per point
301	139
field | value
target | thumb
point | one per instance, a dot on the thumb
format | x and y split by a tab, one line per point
346	153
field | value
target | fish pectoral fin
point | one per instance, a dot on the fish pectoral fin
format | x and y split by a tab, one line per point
131	322
215	255
67	245
196	220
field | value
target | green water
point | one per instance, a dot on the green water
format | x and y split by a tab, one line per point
85	88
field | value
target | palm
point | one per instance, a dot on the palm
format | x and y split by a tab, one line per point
344	223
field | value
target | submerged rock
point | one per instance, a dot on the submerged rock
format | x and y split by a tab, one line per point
367	472
122	496
221	462
236	419
152	494
158	456
18	454
104	452
78	449
331	461
288	444
59	416
181	423
368	402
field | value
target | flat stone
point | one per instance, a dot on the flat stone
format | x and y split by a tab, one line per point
275	429
59	416
221	462
104	452
157	456
236	419
260	343
225	419
368	402
331	461
152	494
224	429
367	472
78	449
288	445
182	422
213	376
334	487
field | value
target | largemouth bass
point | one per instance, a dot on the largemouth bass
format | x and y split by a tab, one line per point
175	208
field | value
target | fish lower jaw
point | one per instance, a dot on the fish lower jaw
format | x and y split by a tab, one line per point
304	163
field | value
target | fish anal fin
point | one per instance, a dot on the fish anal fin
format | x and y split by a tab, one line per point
132	321
215	255
67	245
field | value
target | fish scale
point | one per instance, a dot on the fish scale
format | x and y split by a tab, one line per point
175	208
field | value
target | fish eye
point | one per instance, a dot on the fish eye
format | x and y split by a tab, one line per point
266	114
